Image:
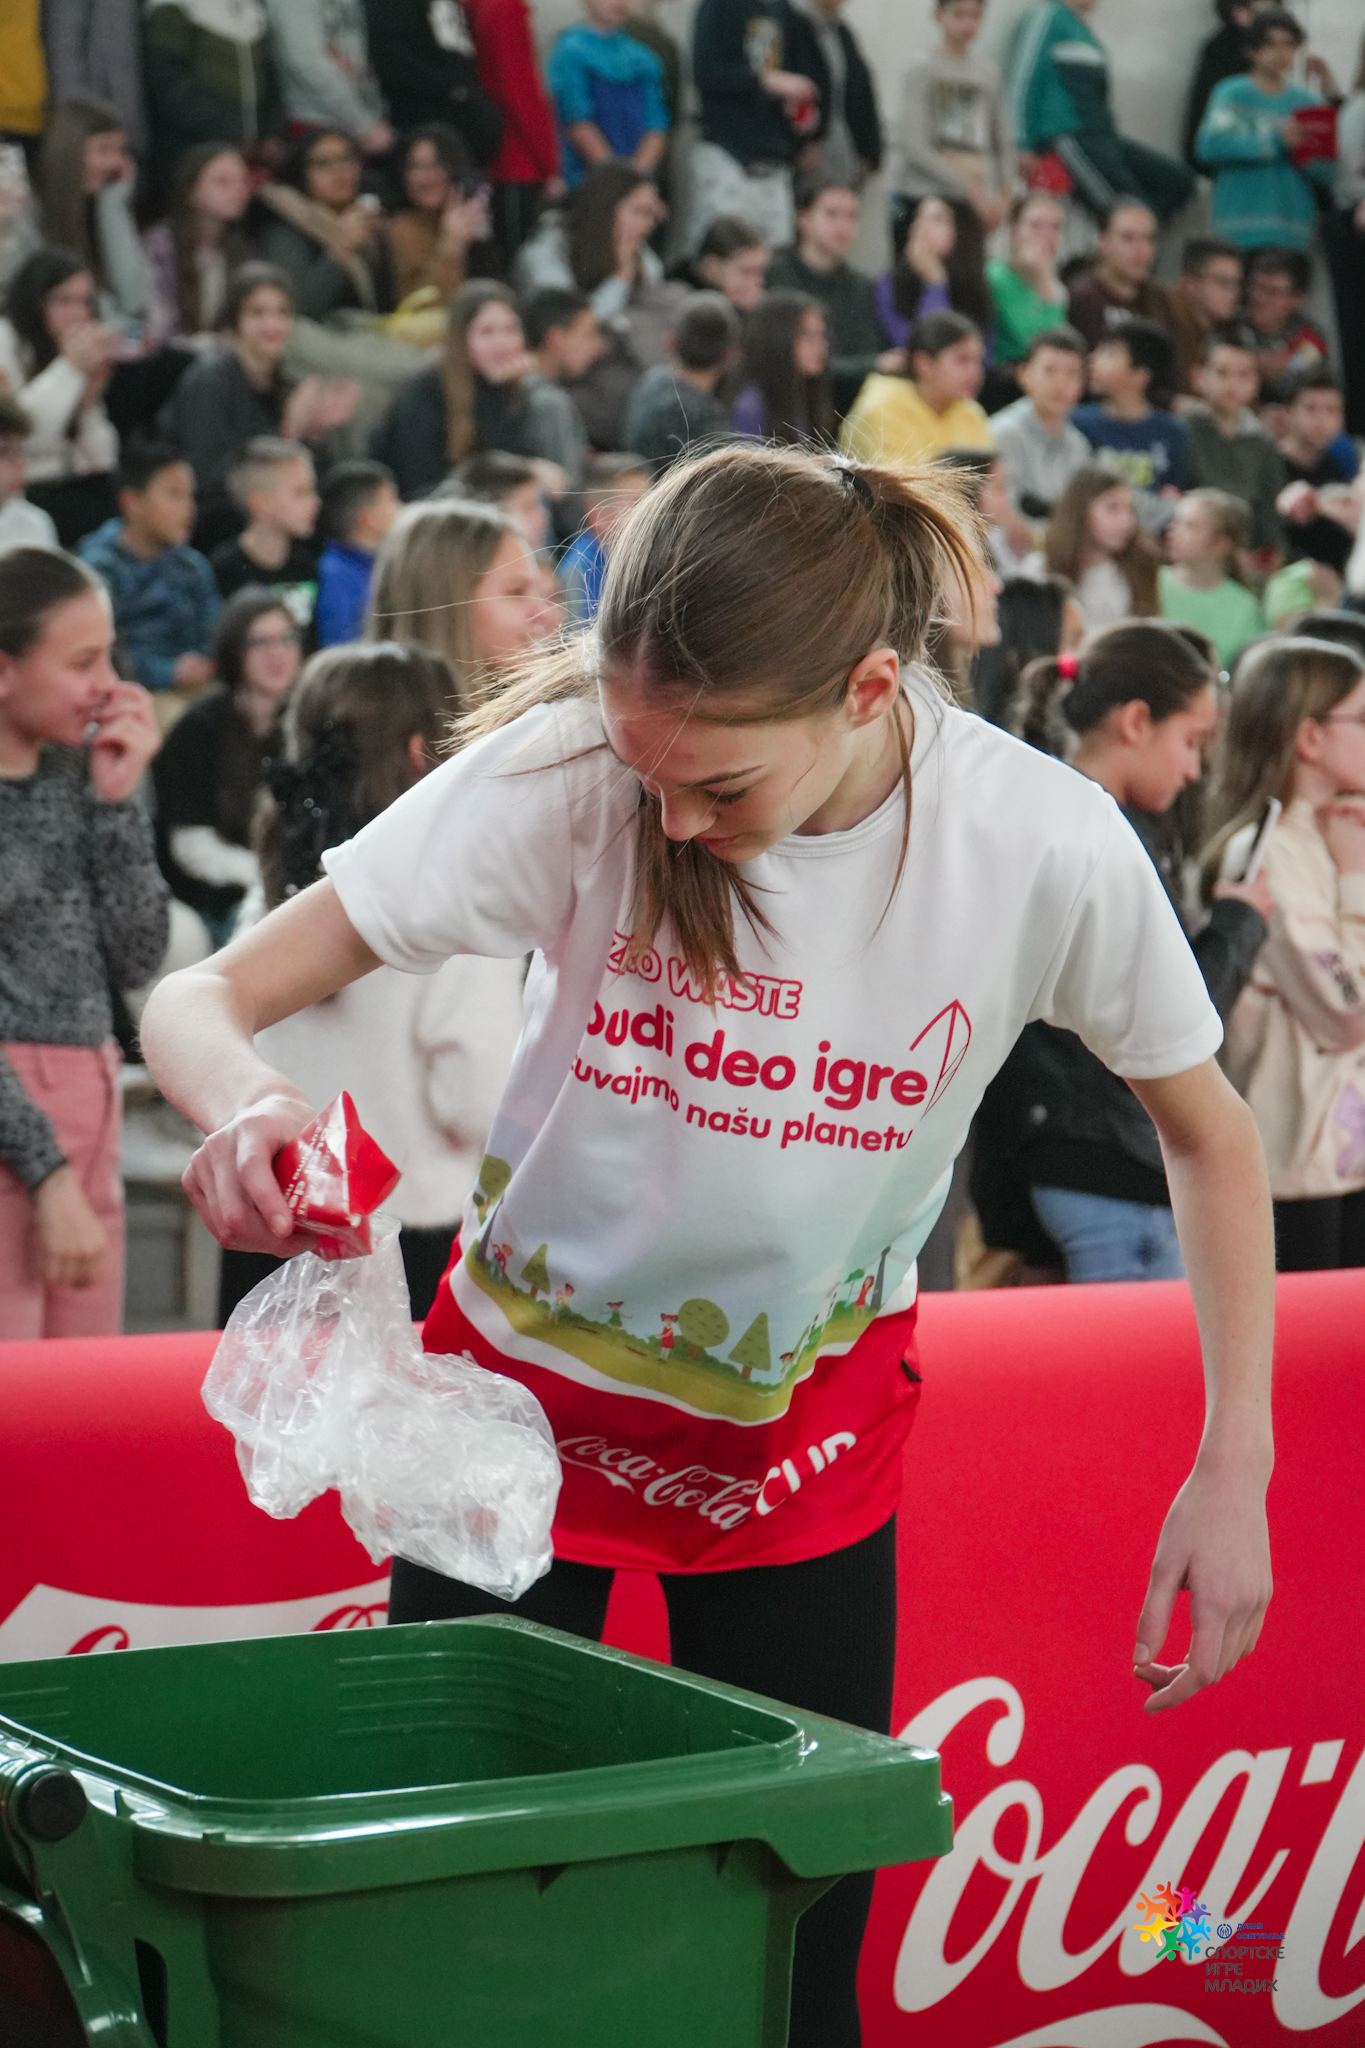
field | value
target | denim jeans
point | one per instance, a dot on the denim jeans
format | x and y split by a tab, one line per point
1101	1239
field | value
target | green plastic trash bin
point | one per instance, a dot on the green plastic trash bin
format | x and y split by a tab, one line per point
470	1834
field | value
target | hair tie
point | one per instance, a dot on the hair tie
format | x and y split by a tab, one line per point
1068	667
857	483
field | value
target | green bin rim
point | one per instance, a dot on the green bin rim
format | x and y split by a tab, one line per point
826	1798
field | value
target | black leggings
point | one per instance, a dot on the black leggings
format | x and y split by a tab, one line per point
819	1635
1320	1233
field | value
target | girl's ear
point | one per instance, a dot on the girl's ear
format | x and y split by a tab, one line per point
873	687
419	760
1308	741
1133	722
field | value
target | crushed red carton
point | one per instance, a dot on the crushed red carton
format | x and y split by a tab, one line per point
334	1177
1317	128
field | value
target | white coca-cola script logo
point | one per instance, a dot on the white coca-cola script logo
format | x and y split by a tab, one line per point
717	1496
52	1622
924	1975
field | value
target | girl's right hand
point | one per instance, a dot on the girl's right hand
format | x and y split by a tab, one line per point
70	1234
88	347
465	221
357	227
231	1178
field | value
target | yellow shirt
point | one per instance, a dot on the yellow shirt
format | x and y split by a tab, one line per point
23	73
891	423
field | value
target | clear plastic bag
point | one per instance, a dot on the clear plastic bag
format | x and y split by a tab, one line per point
320	1378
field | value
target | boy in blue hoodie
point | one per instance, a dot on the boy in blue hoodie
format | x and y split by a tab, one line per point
360	502
163	592
608	92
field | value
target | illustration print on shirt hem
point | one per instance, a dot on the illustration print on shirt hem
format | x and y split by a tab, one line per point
690	1351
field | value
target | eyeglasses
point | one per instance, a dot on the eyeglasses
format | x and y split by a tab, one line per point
258	642
334	162
1344	718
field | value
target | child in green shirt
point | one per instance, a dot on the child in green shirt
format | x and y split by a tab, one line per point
1202	585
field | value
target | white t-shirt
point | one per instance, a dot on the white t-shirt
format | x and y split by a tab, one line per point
691	1216
1104	596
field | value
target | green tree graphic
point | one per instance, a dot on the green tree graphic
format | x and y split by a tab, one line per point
536	1274
753	1350
702	1324
494	1175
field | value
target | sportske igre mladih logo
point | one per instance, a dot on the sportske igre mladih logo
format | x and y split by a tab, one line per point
1180	1921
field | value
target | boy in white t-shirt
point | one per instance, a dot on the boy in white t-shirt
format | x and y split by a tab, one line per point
789	910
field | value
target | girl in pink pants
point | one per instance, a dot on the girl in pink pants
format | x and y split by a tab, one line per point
82	907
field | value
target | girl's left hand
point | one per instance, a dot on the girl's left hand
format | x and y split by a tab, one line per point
1214	1545
124	741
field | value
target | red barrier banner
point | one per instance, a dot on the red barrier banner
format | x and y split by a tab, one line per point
1119	1880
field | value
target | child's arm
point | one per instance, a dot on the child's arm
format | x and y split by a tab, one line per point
654	113
1041	108
591	144
1214	1542
1228	135
1002	144
197	1033
127	892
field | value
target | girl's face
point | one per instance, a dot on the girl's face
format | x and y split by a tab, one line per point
495	343
222	188
739	788
426	180
954	373
512	611
1192	535
270	657
933	231
52	693
740	276
264	322
1037	234
1332	751
830	223
104	160
1111	521
1169	754
810	349
69	305
636	217
331	172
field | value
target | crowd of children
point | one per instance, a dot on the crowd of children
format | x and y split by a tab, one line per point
380	340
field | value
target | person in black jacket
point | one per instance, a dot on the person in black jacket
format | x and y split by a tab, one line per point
846	141
1067	1169
423	56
